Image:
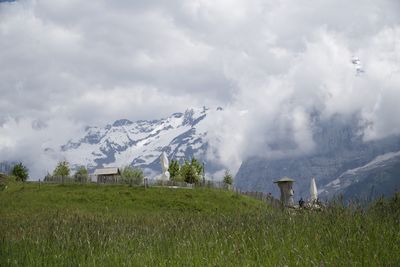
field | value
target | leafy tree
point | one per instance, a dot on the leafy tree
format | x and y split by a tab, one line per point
20	172
197	165
174	169
81	175
228	180
184	169
190	173
62	169
132	176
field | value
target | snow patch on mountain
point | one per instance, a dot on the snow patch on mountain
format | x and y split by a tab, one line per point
352	176
140	143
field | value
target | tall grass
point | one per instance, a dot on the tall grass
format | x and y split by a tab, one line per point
250	235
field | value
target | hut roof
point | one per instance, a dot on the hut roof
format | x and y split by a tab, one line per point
107	171
284	179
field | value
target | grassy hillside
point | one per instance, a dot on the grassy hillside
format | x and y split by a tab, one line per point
91	225
120	200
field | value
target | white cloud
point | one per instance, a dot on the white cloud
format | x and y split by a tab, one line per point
75	63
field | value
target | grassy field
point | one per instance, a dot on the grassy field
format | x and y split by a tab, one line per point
90	225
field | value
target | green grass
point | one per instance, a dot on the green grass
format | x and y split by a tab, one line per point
119	199
89	225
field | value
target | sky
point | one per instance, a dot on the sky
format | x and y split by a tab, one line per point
66	64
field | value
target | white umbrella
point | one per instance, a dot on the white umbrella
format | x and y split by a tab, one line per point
164	165
164	162
313	190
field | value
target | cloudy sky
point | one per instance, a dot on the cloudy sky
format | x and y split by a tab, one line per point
65	64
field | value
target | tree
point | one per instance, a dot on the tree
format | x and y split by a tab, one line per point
20	172
174	169
81	175
228	180
197	165
62	169
189	173
132	176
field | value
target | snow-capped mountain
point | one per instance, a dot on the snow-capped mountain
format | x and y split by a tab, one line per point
342	163
378	177
140	143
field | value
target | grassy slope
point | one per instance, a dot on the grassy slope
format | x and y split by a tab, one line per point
105	200
116	225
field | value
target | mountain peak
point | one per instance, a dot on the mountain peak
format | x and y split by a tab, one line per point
140	143
122	122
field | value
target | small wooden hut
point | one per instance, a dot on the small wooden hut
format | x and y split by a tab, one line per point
107	175
286	186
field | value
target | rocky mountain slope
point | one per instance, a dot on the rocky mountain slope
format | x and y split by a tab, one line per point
379	177
342	163
140	143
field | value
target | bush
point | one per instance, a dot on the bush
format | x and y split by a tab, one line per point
228	180
132	176
20	172
62	169
81	175
190	173
174	169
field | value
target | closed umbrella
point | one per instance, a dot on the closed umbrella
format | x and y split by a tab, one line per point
164	165
313	190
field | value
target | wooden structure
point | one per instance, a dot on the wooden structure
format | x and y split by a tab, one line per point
107	175
286	186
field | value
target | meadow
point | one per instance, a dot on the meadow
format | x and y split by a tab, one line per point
91	225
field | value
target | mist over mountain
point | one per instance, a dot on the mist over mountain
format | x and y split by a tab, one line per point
284	72
342	163
341	160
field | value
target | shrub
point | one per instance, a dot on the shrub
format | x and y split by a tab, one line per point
81	175
20	172
132	176
62	169
228	180
174	169
189	173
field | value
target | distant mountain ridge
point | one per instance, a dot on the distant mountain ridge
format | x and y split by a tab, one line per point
381	176
140	143
342	163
